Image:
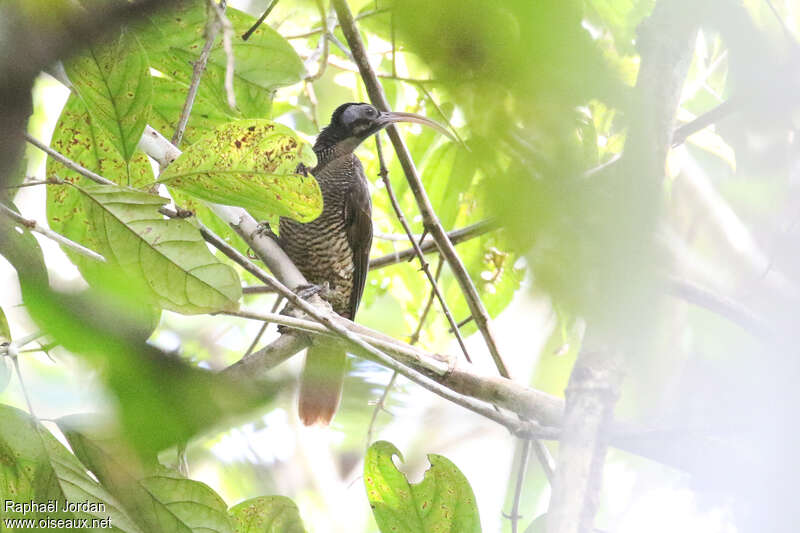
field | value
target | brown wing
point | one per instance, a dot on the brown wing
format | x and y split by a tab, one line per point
358	225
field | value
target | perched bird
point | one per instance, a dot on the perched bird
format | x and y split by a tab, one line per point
332	251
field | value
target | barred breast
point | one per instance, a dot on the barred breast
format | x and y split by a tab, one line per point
320	248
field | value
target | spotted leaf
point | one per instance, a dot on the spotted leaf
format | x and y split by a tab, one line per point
443	502
250	163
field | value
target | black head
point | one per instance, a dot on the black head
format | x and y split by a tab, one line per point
352	123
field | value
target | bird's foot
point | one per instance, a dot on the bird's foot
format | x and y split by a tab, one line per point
307	291
265	230
302	169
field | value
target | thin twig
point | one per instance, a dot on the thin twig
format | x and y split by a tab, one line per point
380	406
246	35
708	118
384	174
545	459
227	47
32	225
523	467
31	183
258	289
789	37
347	67
429	96
97	178
721	305
323	48
198	67
429	245
315	31
264	326
430	220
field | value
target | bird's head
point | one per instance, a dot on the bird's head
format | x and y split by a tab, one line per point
352	123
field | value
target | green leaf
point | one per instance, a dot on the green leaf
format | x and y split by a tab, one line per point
175	38
170	255
267	514
80	140
159	499
250	163
37	467
113	79
169	97
442	502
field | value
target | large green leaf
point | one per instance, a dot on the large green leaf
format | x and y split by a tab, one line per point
113	78
250	163
442	502
79	139
159	499
167	256
36	467
267	514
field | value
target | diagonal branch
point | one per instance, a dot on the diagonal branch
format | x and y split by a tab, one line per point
198	67
429	245
32	225
430	220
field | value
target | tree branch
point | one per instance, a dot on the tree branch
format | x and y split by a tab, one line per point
32	225
198	67
429	244
431	222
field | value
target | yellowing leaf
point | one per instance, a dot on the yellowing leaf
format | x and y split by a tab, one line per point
250	163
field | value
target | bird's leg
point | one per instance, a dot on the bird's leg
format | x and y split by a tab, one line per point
264	229
307	291
302	169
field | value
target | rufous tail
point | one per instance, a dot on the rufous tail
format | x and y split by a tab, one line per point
321	384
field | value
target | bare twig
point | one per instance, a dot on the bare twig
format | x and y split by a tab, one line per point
315	31
198	67
380	405
384	174
31	183
349	67
70	164
246	35
323	48
525	451
32	225
723	306
430	98
264	326
227	47
703	121
545	459
429	218
429	245
258	289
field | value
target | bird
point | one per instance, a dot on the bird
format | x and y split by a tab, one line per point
332	251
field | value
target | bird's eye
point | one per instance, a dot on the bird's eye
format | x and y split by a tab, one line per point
372	112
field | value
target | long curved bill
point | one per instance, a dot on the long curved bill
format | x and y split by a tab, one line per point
392	117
